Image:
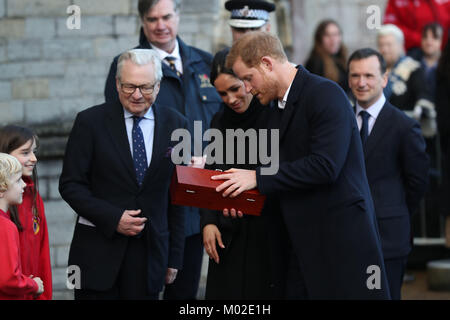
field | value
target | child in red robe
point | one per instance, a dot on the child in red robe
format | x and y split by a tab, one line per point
29	216
14	285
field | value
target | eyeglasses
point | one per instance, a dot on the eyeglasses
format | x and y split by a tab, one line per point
129	88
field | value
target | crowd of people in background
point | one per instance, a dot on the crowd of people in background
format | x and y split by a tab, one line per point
365	137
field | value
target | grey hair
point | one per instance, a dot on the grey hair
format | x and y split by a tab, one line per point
141	57
391	29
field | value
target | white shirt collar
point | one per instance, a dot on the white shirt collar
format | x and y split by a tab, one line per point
282	103
374	109
163	54
149	115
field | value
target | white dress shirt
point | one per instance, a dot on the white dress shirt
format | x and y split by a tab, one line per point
176	54
282	103
147	126
373	111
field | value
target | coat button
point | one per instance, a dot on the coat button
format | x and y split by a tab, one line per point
204	98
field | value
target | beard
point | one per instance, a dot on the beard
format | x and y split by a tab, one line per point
268	91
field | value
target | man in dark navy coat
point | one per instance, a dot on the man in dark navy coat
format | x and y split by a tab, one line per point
186	88
395	157
321	184
128	240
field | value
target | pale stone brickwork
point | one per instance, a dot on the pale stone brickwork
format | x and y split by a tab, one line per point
48	73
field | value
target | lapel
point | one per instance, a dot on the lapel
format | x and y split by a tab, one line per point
157	152
191	67
379	129
115	125
292	99
188	56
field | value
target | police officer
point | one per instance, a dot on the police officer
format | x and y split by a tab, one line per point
248	15
185	87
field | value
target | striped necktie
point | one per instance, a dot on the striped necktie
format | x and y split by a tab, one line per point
171	61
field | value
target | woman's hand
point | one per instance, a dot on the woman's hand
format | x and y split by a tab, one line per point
211	234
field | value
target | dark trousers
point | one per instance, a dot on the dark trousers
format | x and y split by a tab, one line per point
395	270
131	283
186	283
295	282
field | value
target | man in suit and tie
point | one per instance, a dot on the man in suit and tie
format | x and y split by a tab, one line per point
128	240
396	161
186	88
321	185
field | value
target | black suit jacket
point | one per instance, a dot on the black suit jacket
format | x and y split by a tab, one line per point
323	192
98	181
193	96
397	169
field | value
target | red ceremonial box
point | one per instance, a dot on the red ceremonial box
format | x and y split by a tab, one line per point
193	187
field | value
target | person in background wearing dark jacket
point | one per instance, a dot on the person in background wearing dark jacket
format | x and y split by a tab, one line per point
395	158
328	56
407	90
429	54
406	87
186	88
242	250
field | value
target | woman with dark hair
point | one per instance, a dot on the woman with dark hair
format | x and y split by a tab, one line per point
328	57
29	216
242	250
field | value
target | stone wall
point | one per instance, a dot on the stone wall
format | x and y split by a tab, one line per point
351	15
48	72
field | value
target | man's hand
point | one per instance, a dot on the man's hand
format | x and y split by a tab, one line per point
198	162
171	275
129	224
238	181
211	234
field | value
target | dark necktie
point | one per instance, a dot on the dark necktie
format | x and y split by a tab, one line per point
364	127
139	153
171	61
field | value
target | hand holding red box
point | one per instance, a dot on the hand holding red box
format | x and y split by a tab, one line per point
194	187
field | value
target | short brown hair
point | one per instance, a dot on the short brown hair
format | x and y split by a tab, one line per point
253	46
145	5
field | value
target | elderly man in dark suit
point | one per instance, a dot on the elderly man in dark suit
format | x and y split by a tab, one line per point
128	239
185	87
321	184
395	157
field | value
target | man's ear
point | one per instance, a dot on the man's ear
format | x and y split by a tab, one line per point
117	84
156	89
267	63
385	79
